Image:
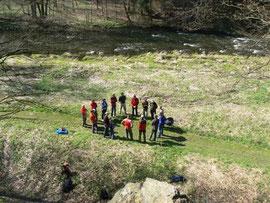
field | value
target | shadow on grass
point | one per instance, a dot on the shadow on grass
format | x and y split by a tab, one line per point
163	142
22	198
174	129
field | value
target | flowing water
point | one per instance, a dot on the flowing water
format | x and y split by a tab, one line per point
132	41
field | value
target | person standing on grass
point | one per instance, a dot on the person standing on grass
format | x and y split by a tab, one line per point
122	100
134	104
104	107
153	108
142	128
155	122
93	105
113	105
94	120
84	115
106	123
145	108
161	122
161	111
128	127
111	126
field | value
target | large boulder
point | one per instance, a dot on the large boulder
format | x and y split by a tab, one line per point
151	191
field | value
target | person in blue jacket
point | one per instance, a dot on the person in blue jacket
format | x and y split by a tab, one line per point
104	107
161	122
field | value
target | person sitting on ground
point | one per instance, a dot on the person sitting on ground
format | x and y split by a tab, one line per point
93	105
153	108
161	122
145	108
104	107
142	128
106	123
113	105
155	122
122	100
128	127
66	169
161	111
84	115
134	104
111	126
94	120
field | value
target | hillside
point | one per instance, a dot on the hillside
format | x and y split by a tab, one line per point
220	141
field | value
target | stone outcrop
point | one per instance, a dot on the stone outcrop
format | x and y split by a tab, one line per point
151	191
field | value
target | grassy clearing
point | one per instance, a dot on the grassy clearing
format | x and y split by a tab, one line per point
221	106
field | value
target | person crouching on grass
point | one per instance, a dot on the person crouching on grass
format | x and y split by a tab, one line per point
84	115
128	126
94	120
142	128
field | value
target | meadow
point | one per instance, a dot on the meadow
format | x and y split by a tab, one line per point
220	141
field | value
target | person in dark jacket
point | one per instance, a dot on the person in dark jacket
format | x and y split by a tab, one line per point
153	108
154	128
104	107
106	123
113	105
122	103
142	128
145	108
161	122
111	126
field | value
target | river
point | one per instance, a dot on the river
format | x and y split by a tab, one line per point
132	41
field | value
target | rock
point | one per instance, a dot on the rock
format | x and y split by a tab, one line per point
151	191
67	55
89	53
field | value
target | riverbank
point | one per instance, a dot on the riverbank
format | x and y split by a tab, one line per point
220	141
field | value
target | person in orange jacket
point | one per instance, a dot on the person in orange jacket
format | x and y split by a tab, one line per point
142	128
84	115
94	120
128	126
93	105
134	104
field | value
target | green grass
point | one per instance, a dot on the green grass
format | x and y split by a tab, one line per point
221	113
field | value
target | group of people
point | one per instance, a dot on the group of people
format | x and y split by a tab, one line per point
158	122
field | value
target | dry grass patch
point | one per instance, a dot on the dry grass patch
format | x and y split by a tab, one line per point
209	181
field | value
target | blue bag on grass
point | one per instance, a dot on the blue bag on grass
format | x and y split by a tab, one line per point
61	131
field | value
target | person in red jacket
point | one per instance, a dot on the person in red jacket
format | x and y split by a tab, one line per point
113	105
142	129
93	105
128	126
94	120
84	115
134	104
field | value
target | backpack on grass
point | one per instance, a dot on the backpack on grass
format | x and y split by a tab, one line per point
104	194
177	178
169	121
67	185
